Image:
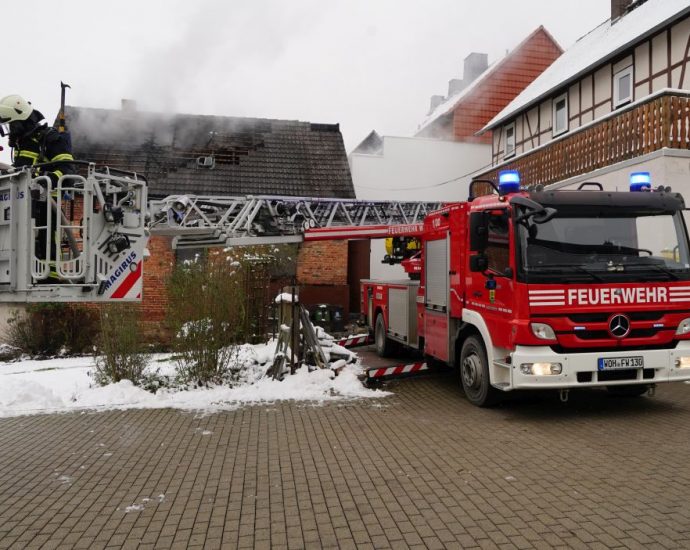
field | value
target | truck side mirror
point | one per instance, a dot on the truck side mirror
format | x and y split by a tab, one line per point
479	263
479	231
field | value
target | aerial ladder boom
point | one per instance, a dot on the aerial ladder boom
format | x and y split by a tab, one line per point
99	225
204	221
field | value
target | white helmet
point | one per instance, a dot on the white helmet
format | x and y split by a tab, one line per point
14	107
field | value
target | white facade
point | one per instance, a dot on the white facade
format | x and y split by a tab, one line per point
415	169
667	167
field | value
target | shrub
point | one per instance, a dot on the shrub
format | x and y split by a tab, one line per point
219	299
207	316
119	346
49	329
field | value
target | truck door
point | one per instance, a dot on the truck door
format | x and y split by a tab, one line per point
491	293
436	323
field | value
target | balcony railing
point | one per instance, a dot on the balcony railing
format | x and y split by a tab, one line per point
661	121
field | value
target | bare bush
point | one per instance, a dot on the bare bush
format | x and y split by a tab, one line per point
45	330
119	346
218	300
207	316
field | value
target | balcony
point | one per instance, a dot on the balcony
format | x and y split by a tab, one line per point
662	120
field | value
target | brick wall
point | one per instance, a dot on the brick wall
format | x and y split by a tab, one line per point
511	75
322	263
323	267
157	269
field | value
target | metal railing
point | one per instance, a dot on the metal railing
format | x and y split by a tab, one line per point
661	121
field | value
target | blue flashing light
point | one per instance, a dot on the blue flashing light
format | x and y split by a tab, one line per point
640	181
508	182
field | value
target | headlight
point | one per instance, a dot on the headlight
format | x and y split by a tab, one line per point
118	243
683	327
683	362
541	369
544	331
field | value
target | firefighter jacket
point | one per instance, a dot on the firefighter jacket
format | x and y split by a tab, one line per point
43	145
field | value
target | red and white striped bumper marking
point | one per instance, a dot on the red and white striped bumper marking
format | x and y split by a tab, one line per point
397	370
128	283
352	341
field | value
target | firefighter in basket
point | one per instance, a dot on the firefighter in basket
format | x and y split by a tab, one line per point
34	142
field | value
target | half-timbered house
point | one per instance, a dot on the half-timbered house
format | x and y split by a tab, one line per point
617	101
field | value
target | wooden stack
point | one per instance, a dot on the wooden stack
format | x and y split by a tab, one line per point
296	337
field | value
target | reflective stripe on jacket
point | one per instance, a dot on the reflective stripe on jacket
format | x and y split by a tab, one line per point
45	145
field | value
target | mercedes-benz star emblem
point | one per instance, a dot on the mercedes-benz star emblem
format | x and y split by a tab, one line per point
619	326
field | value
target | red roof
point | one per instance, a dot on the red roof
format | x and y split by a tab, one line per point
461	116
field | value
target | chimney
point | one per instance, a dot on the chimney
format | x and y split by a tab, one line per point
436	100
456	85
129	105
474	65
618	8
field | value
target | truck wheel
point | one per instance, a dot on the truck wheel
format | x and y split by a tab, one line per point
474	373
384	346
628	391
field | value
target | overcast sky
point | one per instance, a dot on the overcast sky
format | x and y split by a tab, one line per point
367	64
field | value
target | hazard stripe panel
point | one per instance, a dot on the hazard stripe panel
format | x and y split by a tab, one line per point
352	341
397	370
128	283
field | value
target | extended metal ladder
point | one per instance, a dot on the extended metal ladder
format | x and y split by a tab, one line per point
206	221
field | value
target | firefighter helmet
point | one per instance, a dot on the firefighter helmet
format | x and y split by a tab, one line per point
14	108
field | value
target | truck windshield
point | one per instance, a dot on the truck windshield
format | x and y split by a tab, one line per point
617	246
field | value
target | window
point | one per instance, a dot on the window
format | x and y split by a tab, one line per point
646	246
560	114
498	250
623	87
510	139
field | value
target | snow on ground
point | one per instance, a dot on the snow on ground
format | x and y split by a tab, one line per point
63	385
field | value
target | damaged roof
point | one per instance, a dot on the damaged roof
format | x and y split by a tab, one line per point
215	155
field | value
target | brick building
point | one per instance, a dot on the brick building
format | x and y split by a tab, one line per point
440	160
226	156
485	90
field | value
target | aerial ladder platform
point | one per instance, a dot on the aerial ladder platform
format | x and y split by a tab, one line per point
91	243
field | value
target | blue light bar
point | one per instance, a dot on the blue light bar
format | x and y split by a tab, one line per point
508	182
640	181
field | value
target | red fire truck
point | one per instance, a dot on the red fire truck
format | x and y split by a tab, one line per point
543	289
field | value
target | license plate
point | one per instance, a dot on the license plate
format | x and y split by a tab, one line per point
611	363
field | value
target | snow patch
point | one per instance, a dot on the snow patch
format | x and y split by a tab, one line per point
64	385
285	297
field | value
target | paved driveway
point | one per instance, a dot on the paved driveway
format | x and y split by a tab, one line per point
422	468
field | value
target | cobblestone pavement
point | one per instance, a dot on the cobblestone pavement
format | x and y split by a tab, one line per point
422	468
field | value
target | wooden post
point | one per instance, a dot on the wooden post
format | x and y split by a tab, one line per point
289	316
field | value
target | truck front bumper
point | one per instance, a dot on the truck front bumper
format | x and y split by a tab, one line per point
582	369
